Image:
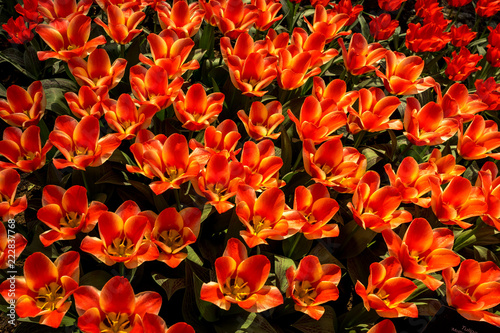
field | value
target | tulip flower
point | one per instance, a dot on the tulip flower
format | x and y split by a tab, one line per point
457	103
9	205
375	208
241	280
328	22
167	159
267	10
23	108
17	30
473	289
374	110
401	76
115	308
121	24
390	5
45	287
494	36
462	36
195	110
170	52
260	164
345	7
423	251
122	237
61	9
480	137
385	326
219	182
212	9
29	10
23	149
236	18
425	126
263	120
245	46
183	18
487	8
314	44
97	71
427	38
493	56
458	3
489	182
270	46
220	139
89	102
489	92
155	324
459	201
461	65
445	166
336	91
79	143
11	247
67	212
252	74
318	119
68	38
312	284
173	231
317	209
427	8
387	290
361	55
382	27
333	165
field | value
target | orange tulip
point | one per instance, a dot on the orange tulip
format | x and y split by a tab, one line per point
261	165
459	201
45	288
241	280
382	27
473	289
461	65
23	108
488	181
122	237
245	46
423	251
121	24
375	208
11	247
173	231
236	18
97	71
328	22
272	44
361	56
263	120
155	324
115	308
427	126
68	38
79	143
196	110
401	76
165	158
336	91
183	18
212	9
317	209
126	119
67	212
333	165
387	290
313	284
61	9
23	149
480	137
89	102
374	112
267	10
385	326
457	103
445	166
9	205
219	182
252	74
318	119
345	6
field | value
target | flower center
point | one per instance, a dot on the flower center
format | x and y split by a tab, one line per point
260	224
115	323
121	247
305	292
236	288
71	220
49	296
172	239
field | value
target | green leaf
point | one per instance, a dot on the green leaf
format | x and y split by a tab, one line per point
193	256
246	323
326	324
16	59
113	177
296	246
281	264
207	309
95	278
365	29
354	240
170	285
483	254
324	256
286	151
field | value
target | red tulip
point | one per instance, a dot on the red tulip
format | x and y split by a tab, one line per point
423	251
387	290
67	212
487	8
17	30
263	120
155	324
122	24
29	10
183	18
115	308
480	137
461	65
361	56
313	284
97	71
489	92
333	165
9	205
11	247
473	289
426	38
462	36
345	6
173	231
45	288
390	5
375	208
382	27
241	280
459	201
458	3
23	108
122	237
385	326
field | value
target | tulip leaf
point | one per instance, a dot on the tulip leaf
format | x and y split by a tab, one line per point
56	101
281	264
483	254
16	59
207	309
356	316
372	157
353	240
286	151
32	325
325	256
193	256
113	177
245	323
31	61
170	285
95	278
365	30
326	323
296	246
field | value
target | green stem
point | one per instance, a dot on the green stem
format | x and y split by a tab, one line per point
454	19
359	138
400	10
121	269
294	245
121	48
297	161
84	179
177	200
466	237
